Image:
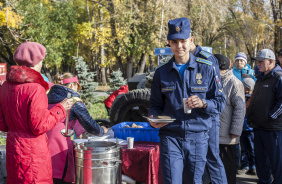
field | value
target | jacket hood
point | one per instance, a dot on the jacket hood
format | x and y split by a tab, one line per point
226	75
58	93
23	74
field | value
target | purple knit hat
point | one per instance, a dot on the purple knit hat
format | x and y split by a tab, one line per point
241	55
29	53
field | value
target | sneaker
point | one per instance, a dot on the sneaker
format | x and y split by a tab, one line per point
242	171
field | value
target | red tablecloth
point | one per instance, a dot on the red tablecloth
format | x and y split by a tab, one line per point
142	162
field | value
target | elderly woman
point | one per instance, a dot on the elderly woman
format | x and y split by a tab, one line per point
25	116
241	69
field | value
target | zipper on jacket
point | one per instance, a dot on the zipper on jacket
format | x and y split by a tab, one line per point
182	82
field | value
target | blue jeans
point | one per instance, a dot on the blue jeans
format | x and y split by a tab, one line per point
268	155
247	150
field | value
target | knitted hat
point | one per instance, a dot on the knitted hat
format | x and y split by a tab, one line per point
241	55
223	61
249	83
29	54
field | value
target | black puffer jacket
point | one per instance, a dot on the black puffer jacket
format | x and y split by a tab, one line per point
58	93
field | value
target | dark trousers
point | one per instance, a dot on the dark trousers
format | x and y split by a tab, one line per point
268	155
228	157
238	155
215	166
247	150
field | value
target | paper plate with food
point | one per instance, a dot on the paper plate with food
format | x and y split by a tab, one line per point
161	119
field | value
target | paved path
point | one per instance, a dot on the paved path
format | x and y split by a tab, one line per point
246	179
101	93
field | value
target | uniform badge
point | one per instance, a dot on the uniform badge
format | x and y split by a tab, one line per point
177	29
199	77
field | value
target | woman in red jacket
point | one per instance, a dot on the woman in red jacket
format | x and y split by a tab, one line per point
25	116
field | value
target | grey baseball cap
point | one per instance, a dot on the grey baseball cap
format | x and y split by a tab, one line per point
265	54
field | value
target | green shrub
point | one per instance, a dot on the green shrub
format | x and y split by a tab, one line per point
98	110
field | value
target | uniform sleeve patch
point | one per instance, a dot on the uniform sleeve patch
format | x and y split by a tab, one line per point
200	60
218	83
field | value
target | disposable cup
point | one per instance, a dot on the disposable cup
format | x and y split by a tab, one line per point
186	109
130	142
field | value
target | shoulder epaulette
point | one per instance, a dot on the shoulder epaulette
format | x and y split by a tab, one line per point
162	65
200	60
205	54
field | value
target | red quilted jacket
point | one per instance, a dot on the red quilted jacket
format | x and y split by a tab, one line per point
25	116
109	101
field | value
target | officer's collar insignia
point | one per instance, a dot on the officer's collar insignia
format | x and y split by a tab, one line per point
177	29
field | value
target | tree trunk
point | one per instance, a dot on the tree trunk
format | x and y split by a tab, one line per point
115	43
129	67
103	74
276	11
161	27
120	66
9	59
142	63
151	63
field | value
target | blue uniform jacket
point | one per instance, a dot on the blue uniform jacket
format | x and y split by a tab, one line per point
168	91
208	56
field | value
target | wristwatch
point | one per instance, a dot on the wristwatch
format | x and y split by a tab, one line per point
204	103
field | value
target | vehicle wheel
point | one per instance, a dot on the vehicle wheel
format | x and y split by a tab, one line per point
131	106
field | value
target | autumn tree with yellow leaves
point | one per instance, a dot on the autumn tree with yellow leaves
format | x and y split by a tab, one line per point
9	32
122	34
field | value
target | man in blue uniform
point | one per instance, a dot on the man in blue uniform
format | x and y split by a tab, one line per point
184	143
214	166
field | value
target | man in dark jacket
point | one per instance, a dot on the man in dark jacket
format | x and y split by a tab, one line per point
264	115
